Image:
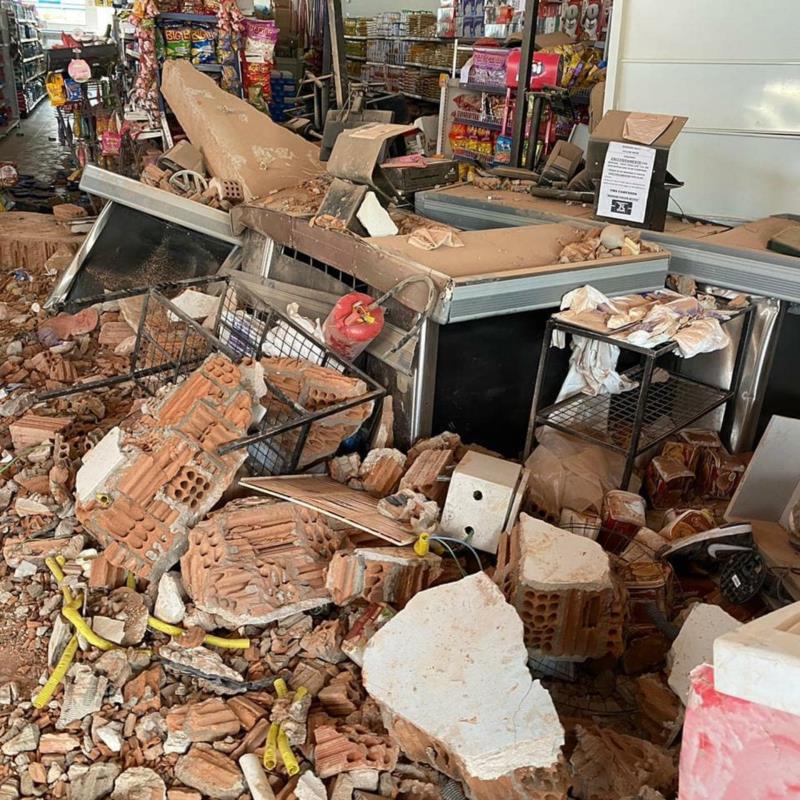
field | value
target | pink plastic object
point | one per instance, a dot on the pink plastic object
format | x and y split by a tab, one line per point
736	750
350	326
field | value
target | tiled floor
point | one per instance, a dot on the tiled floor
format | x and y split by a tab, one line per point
34	147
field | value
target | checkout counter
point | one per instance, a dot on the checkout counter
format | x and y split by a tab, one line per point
477	352
716	256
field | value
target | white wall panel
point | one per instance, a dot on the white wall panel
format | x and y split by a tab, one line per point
733	68
701	29
736	97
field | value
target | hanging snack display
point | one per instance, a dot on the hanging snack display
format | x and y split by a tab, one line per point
230	22
259	55
145	87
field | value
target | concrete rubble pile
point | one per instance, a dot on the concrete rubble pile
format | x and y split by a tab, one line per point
168	634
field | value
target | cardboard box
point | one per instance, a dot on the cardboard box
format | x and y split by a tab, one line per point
613	128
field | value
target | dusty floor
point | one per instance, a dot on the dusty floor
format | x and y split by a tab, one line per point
34	147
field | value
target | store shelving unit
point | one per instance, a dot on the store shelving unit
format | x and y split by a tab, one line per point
9	111
27	51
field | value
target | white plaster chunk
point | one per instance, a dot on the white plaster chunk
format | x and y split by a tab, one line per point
469	687
83	695
695	644
102	460
375	218
194	304
111	629
760	661
310	787
24	742
139	783
553	558
169	600
111	736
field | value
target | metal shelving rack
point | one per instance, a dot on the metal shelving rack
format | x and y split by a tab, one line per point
28	55
8	93
632	422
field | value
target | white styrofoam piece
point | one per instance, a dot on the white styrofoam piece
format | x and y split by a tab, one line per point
436	676
481	493
760	661
98	464
695	644
772	476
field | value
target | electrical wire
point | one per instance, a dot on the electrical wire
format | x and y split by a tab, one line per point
445	539
396	289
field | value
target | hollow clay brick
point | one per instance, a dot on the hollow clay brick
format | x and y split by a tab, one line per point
246	564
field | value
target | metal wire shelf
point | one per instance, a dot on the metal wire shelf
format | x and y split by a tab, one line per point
608	420
630	423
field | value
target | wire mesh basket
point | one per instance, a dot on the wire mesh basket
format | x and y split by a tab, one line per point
314	399
311	399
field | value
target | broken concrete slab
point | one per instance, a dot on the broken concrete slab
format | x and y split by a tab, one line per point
237	141
695	644
83	695
23	742
94	782
139	783
561	586
480	646
310	787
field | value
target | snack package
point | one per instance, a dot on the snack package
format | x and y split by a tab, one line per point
177	40
668	481
203	46
73	90
681	523
56	91
623	515
259	55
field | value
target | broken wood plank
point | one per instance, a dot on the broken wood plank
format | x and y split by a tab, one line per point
357	509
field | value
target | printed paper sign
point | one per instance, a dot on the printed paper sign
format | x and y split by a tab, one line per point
625	185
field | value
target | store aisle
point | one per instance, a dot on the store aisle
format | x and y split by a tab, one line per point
34	147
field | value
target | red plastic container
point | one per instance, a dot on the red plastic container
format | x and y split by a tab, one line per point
350	327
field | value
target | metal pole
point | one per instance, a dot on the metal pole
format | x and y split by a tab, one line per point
336	35
536	118
525	66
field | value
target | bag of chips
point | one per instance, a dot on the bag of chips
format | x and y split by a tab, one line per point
203	44
177	40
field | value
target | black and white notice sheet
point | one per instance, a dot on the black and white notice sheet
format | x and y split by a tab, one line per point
625	185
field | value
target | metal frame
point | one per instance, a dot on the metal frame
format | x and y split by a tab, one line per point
523	84
644	373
